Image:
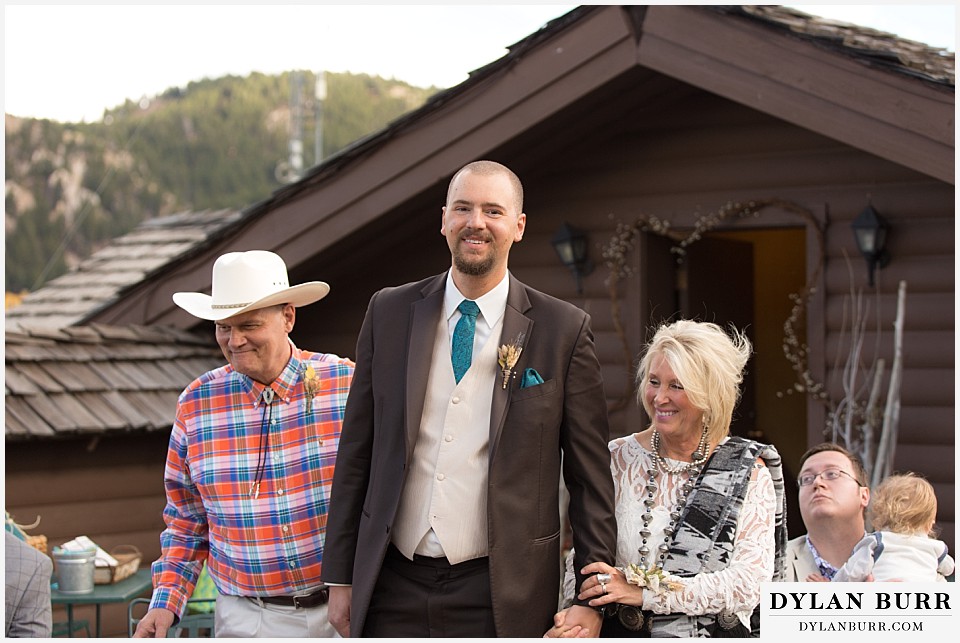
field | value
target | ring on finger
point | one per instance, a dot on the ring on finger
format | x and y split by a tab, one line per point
603	587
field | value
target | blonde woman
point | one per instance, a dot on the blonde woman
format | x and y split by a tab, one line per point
700	513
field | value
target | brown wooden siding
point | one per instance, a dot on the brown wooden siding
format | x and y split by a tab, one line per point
709	151
921	246
110	490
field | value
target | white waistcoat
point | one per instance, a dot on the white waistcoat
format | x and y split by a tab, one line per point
446	486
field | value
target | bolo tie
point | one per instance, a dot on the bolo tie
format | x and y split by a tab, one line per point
265	422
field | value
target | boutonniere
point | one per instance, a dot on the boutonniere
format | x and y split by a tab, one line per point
507	357
656	580
311	385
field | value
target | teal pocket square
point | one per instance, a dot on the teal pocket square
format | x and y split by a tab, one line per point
530	378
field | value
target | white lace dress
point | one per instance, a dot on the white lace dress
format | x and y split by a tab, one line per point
736	588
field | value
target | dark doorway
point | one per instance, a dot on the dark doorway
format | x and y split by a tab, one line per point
716	285
742	277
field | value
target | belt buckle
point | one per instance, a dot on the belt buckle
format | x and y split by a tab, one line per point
727	620
318	597
632	618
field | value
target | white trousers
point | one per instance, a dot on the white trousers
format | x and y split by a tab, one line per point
238	617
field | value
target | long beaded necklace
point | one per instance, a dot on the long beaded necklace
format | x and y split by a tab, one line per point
693	470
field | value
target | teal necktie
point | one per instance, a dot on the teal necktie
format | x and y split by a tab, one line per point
462	353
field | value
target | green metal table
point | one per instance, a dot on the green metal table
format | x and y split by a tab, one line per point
121	592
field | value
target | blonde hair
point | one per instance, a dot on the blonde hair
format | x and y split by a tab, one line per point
903	503
709	364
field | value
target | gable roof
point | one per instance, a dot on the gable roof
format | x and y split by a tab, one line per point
872	91
155	245
869	47
97	380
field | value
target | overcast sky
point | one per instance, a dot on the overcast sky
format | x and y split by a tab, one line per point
69	63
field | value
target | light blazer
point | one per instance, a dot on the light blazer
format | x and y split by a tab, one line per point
799	561
529	428
27	594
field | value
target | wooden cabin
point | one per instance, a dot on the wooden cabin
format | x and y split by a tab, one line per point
715	157
673	115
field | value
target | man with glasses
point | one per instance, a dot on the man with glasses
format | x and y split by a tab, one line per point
833	498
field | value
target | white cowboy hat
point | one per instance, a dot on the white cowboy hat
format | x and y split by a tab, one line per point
245	281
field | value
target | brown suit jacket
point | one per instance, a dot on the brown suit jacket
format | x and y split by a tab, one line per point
529	429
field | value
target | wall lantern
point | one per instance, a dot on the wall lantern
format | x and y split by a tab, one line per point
571	246
870	230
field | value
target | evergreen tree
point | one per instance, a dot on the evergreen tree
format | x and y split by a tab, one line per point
217	143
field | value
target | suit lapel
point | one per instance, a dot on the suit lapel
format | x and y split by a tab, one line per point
424	317
515	322
807	564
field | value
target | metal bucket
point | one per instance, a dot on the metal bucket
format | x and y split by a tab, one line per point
74	570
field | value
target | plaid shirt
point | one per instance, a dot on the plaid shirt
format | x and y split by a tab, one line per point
261	539
827	570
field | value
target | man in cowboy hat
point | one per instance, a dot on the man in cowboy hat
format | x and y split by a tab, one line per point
250	462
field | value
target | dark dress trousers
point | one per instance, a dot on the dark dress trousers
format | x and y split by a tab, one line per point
530	429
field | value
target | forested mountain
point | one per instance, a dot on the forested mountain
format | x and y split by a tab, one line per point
221	143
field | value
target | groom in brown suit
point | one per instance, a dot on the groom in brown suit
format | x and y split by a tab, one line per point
444	516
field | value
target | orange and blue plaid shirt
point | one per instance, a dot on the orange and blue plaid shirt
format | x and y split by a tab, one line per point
249	500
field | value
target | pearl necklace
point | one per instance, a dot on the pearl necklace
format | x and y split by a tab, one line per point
698	456
693	471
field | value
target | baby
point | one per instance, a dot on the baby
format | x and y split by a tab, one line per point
902	511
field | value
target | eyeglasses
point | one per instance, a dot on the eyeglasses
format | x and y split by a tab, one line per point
807	479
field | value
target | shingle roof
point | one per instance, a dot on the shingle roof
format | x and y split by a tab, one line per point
99	379
863	43
870	46
127	260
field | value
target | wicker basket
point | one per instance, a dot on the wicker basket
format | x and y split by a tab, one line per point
39	543
128	562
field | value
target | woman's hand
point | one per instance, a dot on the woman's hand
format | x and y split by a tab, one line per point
614	590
